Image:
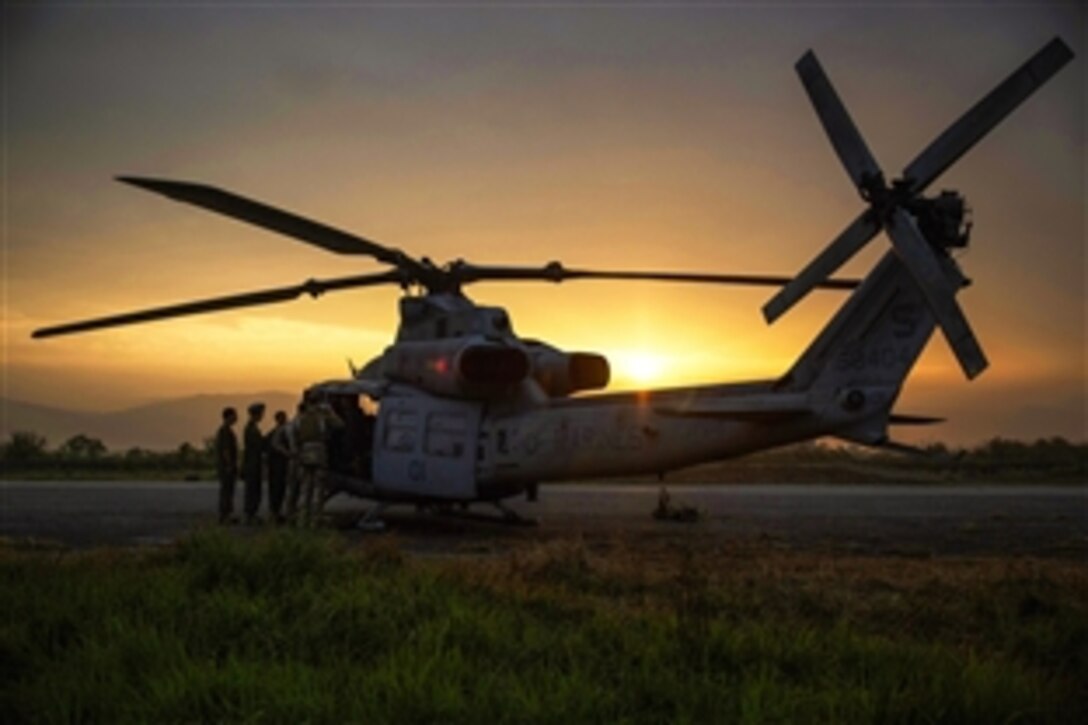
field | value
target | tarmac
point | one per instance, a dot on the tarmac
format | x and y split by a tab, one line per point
906	520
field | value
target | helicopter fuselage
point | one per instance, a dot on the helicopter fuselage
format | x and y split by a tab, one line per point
462	451
468	411
435	441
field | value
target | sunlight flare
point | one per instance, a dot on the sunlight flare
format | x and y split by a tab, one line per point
640	366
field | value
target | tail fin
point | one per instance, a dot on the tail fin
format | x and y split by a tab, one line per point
859	361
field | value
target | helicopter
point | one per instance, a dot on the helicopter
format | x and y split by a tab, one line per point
470	412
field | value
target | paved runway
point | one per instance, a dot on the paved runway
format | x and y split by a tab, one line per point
910	520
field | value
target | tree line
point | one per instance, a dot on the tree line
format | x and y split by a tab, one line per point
998	457
27	450
30	451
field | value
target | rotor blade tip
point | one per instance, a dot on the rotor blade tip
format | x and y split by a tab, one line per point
44	332
1058	42
141	181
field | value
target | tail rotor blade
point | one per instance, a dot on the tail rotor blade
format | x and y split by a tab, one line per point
926	269
844	135
962	135
845	246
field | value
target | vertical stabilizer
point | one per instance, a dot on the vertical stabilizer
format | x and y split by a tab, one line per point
873	340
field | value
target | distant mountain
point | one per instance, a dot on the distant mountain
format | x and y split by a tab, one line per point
163	425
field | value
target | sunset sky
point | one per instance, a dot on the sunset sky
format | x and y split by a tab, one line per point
650	137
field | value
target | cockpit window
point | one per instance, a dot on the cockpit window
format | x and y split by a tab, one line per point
400	431
446	434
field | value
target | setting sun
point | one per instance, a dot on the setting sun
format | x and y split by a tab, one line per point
639	366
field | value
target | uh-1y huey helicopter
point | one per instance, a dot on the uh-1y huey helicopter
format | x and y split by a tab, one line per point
469	412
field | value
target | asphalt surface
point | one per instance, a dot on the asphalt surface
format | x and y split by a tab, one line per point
881	519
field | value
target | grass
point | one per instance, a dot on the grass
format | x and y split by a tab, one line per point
296	626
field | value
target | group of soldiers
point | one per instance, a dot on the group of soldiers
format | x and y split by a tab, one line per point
295	454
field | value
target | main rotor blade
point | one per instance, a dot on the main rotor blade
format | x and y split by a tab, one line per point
844	135
313	287
268	217
845	246
958	139
921	261
555	272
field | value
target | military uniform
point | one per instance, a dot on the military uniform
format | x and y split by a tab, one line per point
279	459
226	466
253	468
316	425
294	471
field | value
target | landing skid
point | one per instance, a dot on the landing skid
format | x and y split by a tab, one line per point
371	522
507	517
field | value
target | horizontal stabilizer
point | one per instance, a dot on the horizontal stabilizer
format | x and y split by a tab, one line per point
903	419
888	445
923	454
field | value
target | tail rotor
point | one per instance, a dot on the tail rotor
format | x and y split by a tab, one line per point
921	229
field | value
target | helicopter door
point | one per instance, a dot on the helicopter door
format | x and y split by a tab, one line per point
427	447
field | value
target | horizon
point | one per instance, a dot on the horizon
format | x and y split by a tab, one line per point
261	396
671	138
914	435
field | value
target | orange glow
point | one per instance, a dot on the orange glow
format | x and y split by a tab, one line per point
499	139
641	367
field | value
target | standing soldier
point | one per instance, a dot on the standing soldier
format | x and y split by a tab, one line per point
295	470
278	444
253	462
316	424
226	465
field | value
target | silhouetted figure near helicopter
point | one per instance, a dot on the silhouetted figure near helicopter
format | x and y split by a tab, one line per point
339	439
316	425
294	469
253	462
366	457
348	443
667	511
279	459
226	465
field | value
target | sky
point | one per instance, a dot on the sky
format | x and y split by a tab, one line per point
639	136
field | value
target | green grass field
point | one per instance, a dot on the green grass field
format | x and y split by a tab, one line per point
293	626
